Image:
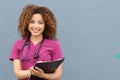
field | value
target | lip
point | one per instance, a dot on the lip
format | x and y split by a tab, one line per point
35	31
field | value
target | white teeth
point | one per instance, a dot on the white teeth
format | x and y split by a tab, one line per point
35	30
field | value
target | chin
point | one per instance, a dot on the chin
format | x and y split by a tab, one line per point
36	34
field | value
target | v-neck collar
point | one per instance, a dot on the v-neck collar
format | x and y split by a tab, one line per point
35	44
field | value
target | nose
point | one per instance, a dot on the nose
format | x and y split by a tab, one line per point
35	24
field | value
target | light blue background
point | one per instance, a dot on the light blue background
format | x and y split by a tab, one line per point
88	31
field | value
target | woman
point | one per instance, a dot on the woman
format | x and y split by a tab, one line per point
37	27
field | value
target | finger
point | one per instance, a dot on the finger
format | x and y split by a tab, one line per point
39	69
31	67
33	71
39	61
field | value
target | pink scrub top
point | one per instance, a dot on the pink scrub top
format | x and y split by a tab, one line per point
49	51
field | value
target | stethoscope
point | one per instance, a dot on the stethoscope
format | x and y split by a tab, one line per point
36	54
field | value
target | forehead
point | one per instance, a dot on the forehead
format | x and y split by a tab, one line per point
37	16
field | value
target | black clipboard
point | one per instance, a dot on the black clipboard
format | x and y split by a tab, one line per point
47	67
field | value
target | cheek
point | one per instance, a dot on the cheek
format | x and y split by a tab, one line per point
29	27
43	27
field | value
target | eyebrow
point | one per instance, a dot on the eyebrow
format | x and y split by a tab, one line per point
38	20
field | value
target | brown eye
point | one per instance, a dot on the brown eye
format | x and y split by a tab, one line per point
41	22
31	21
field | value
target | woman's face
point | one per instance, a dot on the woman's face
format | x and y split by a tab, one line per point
36	25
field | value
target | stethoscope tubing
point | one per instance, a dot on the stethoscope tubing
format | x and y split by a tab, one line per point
36	54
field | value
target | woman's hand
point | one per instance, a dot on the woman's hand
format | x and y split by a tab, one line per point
37	72
49	76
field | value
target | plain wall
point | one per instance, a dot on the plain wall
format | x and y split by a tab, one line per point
88	31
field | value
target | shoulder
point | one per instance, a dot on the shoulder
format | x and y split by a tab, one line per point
19	42
50	42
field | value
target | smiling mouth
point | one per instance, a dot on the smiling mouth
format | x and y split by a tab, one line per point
35	31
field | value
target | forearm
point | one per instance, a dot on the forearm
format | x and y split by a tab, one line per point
53	76
22	74
56	75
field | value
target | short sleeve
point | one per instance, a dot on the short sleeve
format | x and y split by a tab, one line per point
15	52
57	52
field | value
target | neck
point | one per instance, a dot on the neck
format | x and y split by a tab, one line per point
37	39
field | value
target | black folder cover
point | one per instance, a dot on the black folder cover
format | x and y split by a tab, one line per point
47	67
